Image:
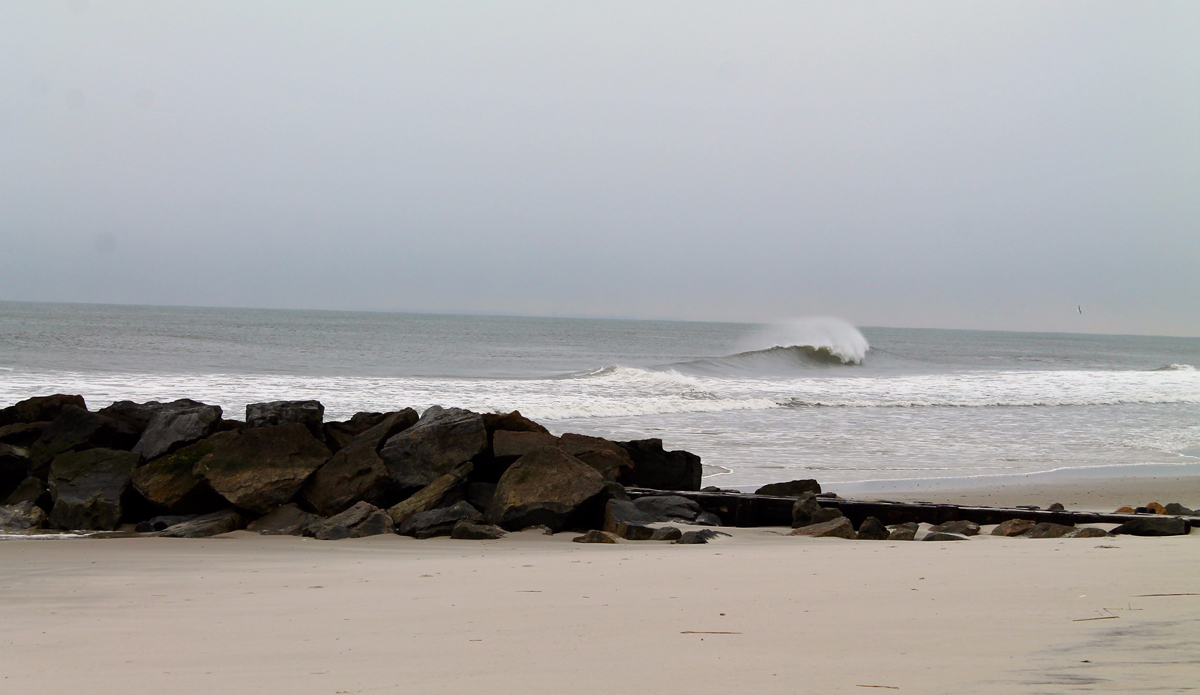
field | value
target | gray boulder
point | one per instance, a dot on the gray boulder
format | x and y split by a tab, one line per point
362	519
1154	526
75	430
263	467
170	482
285	520
507	444
511	422
804	508
625	520
24	516
442	439
175	425
442	492
1046	529
439	522
22	434
216	523
707	519
39	409
668	508
1088	532
1013	527
871	529
136	415
88	487
465	529
653	467
834	528
548	487
960	526
903	532
793	488
596	536
311	414
339	434
1178	509
356	472
33	490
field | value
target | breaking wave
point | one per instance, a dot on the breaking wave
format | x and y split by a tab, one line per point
1176	368
785	348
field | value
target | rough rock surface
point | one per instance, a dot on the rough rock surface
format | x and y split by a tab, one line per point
88	487
596	536
22	434
442	492
547	486
1013	527
286	520
175	425
903	532
339	434
707	519
609	465
263	467
511	422
206	525
471	531
577	444
311	414
162	523
14	467
356	472
626	520
441	440
699	537
793	488
362	519
944	536
24	516
1088	532
960	526
825	514
1046	529
480	494
653	467
1177	509
39	409
170	482
871	529
1154	526
508	444
835	528
136	415
804	508
33	490
439	522
75	430
668	508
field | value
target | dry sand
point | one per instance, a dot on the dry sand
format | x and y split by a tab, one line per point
756	613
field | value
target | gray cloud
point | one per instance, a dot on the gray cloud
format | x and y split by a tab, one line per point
919	164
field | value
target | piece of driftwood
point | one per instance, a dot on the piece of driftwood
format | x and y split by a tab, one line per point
747	510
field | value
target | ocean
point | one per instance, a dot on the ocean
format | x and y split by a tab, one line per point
808	398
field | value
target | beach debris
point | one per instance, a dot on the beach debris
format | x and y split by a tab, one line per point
23	516
1046	529
1088	532
175	425
465	529
283	457
945	536
904	532
960	526
700	537
339	434
88	487
792	488
286	520
871	529
439	522
596	536
206	525
1154	526
357	472
442	492
170	482
440	441
834	528
162	523
549	486
1177	509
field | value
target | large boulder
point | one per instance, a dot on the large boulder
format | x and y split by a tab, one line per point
904	532
311	414
40	408
170	482
339	434
32	490
175	425
959	526
1154	526
439	522
945	536
624	519
362	519
668	508
25	516
88	487
1013	527
14	467
442	439
263	467
511	422
653	467
513	445
136	415
442	492
793	488
22	434
609	458
835	528
1046	529
213	524
872	529
356	473
77	429
288	520
468	530
548	487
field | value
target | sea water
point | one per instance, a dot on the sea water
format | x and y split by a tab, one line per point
808	398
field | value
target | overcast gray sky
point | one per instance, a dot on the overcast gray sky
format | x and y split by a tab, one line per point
945	164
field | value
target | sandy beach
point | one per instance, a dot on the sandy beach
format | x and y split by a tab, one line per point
756	612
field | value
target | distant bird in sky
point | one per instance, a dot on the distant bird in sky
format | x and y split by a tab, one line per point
1080	307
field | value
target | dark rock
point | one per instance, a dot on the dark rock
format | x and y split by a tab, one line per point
33	490
480	494
363	519
1046	529
471	531
615	490
666	533
40	409
175	425
596	536
959	526
14	467
439	522
1156	508
871	529
610	458
793	488
171	483
311	414
825	514
668	508
216	523
661	470
511	422
24	516
162	523
1088	532
286	520
803	509
22	434
442	439
834	528
943	536
1178	509
699	537
75	430
1013	527
550	487
231	426
136	415
339	434
513	445
625	520
442	492
1056	507
263	467
88	487
609	465
904	532
707	519
1154	526
357	472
